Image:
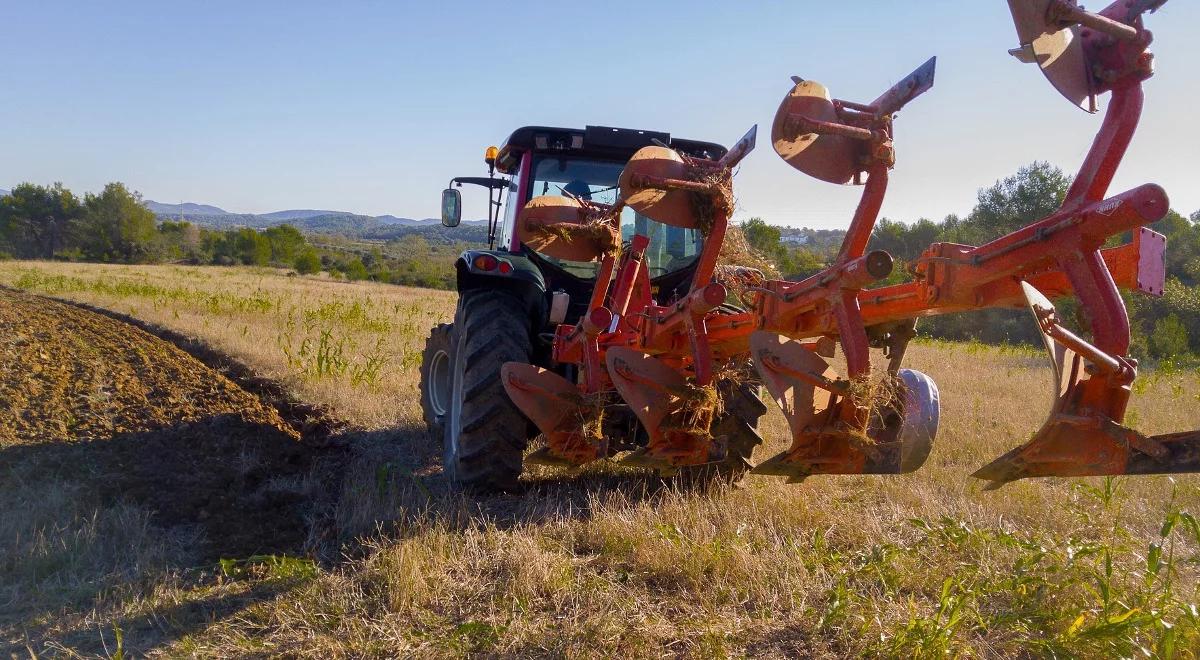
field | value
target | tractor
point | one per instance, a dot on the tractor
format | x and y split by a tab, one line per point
534	279
605	316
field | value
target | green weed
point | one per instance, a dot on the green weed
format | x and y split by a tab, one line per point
269	567
318	353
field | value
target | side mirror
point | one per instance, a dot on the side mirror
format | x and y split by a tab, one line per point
451	207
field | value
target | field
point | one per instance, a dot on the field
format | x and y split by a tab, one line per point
277	494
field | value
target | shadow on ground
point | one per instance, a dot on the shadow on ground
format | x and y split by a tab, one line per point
394	487
226	488
90	523
128	529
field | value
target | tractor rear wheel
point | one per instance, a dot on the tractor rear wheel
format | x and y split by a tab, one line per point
485	434
435	379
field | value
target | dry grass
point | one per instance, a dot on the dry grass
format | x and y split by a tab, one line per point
608	561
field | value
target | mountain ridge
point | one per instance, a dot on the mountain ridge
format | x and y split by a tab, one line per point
302	214
312	220
209	215
184	208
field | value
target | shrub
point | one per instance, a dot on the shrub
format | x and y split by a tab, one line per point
308	263
1170	337
355	270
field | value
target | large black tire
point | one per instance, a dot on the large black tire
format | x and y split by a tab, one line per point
485	434
436	379
737	426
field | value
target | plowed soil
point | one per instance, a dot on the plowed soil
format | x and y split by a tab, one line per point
92	401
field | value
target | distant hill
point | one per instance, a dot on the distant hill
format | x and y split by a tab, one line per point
3	193
227	221
316	221
393	220
812	238
364	226
186	208
327	216
349	224
468	232
332	223
299	214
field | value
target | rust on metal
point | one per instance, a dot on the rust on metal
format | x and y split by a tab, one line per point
561	227
828	157
556	407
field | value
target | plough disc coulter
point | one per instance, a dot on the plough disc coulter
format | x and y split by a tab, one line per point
677	366
824	413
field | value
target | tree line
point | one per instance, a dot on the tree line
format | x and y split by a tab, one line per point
1167	327
51	222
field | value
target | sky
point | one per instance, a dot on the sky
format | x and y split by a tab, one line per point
371	107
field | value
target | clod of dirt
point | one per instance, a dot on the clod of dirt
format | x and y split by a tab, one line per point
87	399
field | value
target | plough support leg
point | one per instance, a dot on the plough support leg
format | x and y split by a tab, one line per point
660	396
1083	435
557	407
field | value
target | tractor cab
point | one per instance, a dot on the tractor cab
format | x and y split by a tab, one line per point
581	164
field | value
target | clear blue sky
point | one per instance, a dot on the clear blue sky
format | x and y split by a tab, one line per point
372	106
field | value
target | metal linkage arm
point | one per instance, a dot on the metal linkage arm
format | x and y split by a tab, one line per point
1119	370
801	124
954	278
1066	12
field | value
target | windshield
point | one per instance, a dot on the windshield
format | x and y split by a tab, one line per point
671	248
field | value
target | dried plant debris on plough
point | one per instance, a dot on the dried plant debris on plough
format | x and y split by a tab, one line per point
673	383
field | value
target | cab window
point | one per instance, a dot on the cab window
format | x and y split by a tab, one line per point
671	248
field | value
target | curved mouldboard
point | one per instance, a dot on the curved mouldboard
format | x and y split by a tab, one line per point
559	227
670	207
831	158
1058	51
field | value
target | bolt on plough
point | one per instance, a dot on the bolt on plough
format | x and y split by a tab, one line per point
650	378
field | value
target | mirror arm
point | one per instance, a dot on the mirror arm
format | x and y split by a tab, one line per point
493	216
497	205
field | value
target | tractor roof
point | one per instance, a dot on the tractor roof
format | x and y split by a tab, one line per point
596	142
